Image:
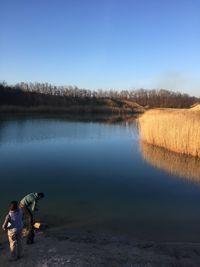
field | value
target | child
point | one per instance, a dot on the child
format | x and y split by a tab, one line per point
14	224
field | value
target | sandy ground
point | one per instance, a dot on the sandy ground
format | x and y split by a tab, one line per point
59	247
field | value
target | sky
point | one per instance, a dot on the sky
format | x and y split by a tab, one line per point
102	44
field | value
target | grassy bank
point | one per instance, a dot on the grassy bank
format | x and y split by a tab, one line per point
177	130
100	106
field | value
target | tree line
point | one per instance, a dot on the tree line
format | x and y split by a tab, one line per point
39	94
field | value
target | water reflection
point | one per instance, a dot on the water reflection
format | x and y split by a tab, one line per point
95	170
187	167
31	129
104	118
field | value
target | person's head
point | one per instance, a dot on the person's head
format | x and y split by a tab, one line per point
13	206
40	195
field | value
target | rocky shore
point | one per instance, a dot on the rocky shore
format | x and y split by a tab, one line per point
80	248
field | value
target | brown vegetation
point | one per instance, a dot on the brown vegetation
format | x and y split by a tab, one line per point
102	106
175	129
44	94
195	107
39	98
174	163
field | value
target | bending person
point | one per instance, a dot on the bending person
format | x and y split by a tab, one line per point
29	204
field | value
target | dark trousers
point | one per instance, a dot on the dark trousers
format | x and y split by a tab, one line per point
31	233
29	222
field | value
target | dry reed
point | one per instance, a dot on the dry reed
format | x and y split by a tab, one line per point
195	107
177	130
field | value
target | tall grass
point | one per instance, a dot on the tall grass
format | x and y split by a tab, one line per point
177	130
185	166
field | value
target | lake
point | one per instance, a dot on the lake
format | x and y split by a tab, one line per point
96	174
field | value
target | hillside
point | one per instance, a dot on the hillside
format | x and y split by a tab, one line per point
80	106
121	105
196	107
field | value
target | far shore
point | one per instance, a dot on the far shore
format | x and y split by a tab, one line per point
77	109
78	247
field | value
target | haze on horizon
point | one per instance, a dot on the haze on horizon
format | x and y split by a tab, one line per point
108	44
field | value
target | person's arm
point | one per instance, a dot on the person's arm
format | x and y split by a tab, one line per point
5	224
34	206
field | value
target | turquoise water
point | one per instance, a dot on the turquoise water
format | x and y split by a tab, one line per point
94	175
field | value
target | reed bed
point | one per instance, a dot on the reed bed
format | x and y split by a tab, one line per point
187	167
177	130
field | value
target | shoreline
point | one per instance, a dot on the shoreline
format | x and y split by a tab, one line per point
77	247
108	108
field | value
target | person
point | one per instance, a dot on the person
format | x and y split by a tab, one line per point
13	223
29	204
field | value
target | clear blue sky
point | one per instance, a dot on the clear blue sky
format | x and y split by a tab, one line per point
119	44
